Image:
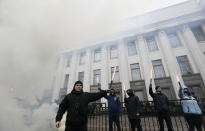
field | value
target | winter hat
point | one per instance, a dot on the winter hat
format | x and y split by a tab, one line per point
130	91
78	82
113	91
157	87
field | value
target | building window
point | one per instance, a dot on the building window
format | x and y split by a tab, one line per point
68	61
174	40
158	68
131	48
97	76
167	92
82	58
184	65
97	55
62	94
117	75
66	81
81	76
151	43
197	92
198	33
113	52
135	71
140	94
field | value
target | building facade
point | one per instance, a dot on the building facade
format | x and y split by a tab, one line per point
170	41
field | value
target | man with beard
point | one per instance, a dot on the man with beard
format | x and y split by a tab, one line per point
114	107
191	109
76	105
161	104
133	106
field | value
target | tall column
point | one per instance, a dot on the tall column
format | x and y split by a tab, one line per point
194	49
146	62
58	78
203	28
87	72
170	60
201	4
104	70
124	72
74	64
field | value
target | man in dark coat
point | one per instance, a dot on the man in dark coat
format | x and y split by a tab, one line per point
133	106
161	104
76	105
114	107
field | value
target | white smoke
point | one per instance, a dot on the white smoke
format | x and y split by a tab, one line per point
29	44
32	32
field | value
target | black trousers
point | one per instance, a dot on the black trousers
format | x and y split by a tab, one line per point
134	123
164	116
194	121
203	121
114	117
76	128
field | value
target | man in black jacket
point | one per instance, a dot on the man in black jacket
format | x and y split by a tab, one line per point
161	104
76	105
133	106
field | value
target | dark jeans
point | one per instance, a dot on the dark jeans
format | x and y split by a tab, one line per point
135	122
114	117
194	121
164	116
76	128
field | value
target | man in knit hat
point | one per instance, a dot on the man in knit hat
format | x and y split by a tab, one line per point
161	104
76	105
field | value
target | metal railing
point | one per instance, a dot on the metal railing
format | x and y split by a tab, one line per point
98	117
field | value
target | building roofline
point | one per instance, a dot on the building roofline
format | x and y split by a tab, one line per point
184	18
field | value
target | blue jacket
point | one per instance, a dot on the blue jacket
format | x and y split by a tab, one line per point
114	104
189	103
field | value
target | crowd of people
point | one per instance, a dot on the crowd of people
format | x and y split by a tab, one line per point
76	106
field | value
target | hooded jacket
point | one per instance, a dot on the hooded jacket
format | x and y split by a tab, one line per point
76	105
133	106
189	103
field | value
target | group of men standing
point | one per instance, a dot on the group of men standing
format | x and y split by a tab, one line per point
76	105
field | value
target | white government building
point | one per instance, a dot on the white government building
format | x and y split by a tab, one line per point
171	41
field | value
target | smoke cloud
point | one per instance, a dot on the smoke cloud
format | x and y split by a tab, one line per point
29	44
32	33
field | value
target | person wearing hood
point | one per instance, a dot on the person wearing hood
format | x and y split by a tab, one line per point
161	104
114	107
133	106
76	105
191	109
